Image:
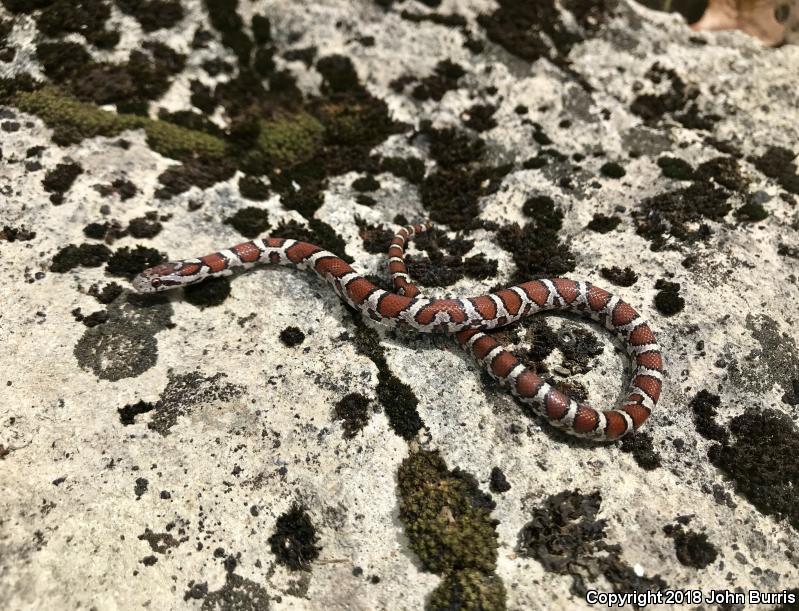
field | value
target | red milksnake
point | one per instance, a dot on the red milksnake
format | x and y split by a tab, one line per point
465	318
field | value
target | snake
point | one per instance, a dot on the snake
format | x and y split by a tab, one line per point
465	318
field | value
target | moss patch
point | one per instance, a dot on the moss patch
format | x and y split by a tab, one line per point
292	336
448	523
618	276
692	549
58	180
85	255
290	139
779	164
250	221
672	167
468	590
294	541
353	411
209	293
396	397
674	214
603	224
152	15
73	120
564	535
668	301
643	450
755	458
86	17
127	262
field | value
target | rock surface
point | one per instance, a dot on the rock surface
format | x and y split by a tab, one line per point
250	443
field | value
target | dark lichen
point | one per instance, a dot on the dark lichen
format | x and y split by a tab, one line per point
754	457
143	227
376	239
128	413
674	214
530	29
498	482
85	255
207	294
673	167
85	17
353	410
602	223
121	187
677	100
692	549
294	541
618	276
779	164
13	234
291	336
107	294
410	168
752	212
396	397
184	392
566	538
480	117
668	300
202	173
250	221
153	15
641	447
365	184
58	180
127	262
536	249
704	406
611	169
253	188
724	171
125	346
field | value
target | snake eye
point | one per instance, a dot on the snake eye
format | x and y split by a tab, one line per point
155	283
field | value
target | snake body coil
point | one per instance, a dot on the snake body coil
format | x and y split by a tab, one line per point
466	318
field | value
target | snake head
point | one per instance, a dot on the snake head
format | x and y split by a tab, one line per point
160	278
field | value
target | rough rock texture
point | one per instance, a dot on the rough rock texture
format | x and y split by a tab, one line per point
253	444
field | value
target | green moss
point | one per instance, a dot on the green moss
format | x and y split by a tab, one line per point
287	140
469	590
447	518
179	142
73	120
448	522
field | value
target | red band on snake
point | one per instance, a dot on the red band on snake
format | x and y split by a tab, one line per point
466	318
